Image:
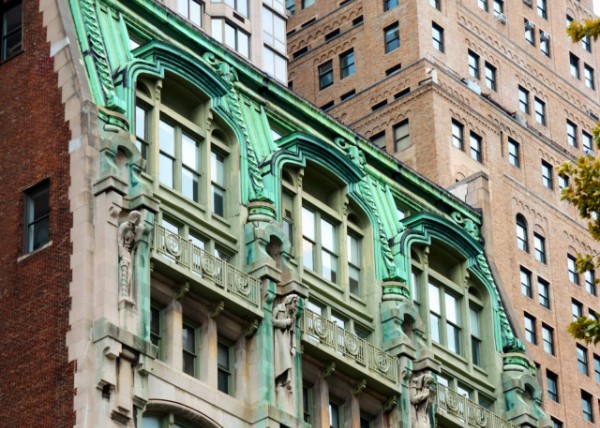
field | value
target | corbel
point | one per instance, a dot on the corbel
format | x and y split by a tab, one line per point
216	310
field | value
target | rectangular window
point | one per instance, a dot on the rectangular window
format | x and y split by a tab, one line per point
476	146
437	37
548	339
452	309
542	9
586	44
563	182
539	245
552	385
401	136
576	309
354	258
498	7
544	293
521	231
597	368
545	43
529	32
474	65
378	139
513	153
274	64
156	328
530	333
571	134
307	402
307	3
389	4
526	288
586	407
141	129
273	30
225	365
582	360
483	4
334	415
587	142
347	64
457	134
572	268
540	111
436	4
574	65
319	244
217	182
191	10
36	217
326	74
11	14
490	76
435	313
474	316
188	342
240	6
231	36
588	76
524	100
556	423
547	177
391	37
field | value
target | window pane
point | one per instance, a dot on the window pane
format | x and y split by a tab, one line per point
308	224
190	152
217	168
328	239
167	138
452	309
434	298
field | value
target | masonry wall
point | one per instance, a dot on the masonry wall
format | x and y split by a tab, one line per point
37	379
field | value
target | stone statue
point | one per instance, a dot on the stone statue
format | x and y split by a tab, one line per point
421	396
284	320
128	237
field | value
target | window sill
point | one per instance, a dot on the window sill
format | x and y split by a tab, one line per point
26	256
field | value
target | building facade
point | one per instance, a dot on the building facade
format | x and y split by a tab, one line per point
511	98
189	244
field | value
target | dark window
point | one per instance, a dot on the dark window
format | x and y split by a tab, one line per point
188	342
552	385
577	309
457	134
36	217
357	21
490	76
347	95
572	268
545	43
224	368
473	65
530	333
11	29
582	360
529	32
437	37
401	136
524	100
586	406
436	4
483	4
326	74
544	293
571	134
333	34
588	76
574	65
476	147
396	68
587	142
586	44
547	178
513	153
522	236
590	282
334	415
542	9
597	368
540	111
347	64
525	278
389	4
392	37
556	423
548	339
539	246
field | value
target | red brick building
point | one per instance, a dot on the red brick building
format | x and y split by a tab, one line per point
486	98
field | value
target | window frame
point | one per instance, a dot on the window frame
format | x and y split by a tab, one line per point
491	78
588	77
347	64
525	281
391	37
548	339
574	64
573	274
458	141
195	16
437	37
572	134
474	65
476	147
539	108
542	9
547	175
5	34
524	102
229	370
325	73
543	292
552	386
522	233
539	248
389	4
514	150
529	327
587	408
581	354
36	225
402	140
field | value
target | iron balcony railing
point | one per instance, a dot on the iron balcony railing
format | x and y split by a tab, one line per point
328	334
471	414
206	265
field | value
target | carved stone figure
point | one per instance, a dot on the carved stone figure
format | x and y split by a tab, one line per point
284	319
128	237
421	397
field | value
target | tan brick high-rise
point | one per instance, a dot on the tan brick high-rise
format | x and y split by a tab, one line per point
486	98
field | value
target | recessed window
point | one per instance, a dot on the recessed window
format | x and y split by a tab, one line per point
547	178
141	129
556	423
490	76
225	366
524	100
542	9
563	182
436	4
389	4
522	238
525	277
572	269
347	64
475	324
11	26
458	134
192	10
539	245
189	349
498	7
514	153
582	360
545	43
548	339
307	3
391	37
587	142
540	111
586	43
576	309
588	76
335	415
597	368
401	136
444	317
574	65
544	293
590	282
437	37
378	139
571	134
476	147
156	320
483	4
217	181
586	407
36	217
320	247
552	386
474	65
530	332
354	263
326	74
529	32
307	402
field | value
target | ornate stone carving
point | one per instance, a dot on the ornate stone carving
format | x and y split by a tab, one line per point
284	336
422	392
469	225
128	236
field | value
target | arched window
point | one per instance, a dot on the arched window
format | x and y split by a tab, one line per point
522	237
186	156
326	228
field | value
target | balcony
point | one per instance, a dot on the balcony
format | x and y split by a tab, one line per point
465	412
202	265
328	335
